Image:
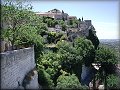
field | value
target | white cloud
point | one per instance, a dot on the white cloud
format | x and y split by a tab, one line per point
107	30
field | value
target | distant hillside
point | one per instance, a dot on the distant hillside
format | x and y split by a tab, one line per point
112	43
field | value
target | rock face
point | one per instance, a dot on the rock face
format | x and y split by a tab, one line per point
87	75
4	46
101	87
82	30
15	65
30	80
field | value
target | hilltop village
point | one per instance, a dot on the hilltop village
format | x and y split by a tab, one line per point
52	50
74	27
54	26
59	26
82	26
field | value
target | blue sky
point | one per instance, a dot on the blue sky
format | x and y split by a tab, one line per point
104	14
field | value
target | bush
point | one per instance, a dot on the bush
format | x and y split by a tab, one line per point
113	81
68	82
107	57
85	49
106	54
21	25
45	80
69	56
50	61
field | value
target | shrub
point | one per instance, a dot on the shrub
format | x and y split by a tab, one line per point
68	82
45	80
113	81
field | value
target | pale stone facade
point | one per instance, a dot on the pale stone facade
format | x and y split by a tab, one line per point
82	30
54	13
85	26
14	67
72	17
88	22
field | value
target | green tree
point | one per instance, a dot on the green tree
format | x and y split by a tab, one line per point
53	37
113	81
50	62
71	60
49	22
94	39
45	80
19	24
64	27
107	58
79	20
105	55
61	22
42	29
86	49
67	81
71	22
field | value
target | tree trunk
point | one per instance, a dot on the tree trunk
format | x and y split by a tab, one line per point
105	82
94	82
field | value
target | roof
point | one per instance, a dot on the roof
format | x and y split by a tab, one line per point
55	11
72	16
47	13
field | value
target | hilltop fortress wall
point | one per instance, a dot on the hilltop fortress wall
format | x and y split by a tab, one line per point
15	65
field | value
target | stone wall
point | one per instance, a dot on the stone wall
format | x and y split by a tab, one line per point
14	67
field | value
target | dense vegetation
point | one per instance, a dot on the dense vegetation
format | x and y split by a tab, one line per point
60	69
113	44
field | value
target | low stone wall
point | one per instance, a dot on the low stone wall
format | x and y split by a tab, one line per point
15	65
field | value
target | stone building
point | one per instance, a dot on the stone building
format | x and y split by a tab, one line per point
88	22
54	13
82	31
85	26
72	18
57	14
56	29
